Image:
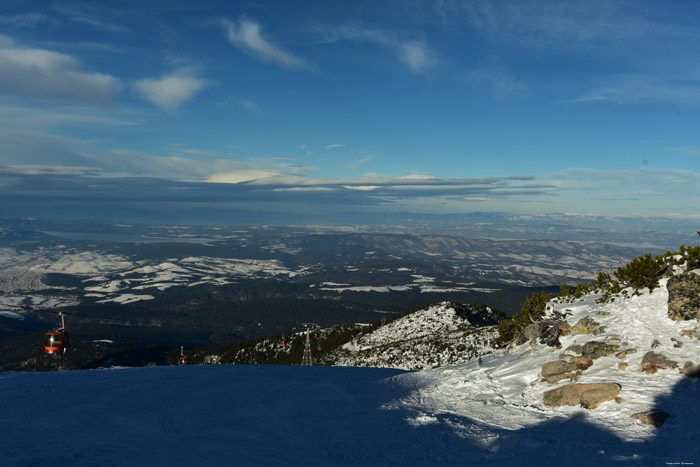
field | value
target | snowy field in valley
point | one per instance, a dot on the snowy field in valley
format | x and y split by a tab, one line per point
487	412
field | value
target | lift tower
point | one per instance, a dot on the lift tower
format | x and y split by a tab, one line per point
306	360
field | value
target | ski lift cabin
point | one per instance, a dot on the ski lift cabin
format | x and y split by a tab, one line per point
56	341
184	359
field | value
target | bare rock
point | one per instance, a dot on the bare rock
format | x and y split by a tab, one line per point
687	332
577	349
587	325
655	344
653	362
625	353
530	332
655	418
582	363
527	353
554	379
597	349
622	366
690	370
558	370
684	296
620	400
588	396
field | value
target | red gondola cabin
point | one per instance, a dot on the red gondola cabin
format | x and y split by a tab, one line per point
56	342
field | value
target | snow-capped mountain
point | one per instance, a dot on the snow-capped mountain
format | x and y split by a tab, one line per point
438	335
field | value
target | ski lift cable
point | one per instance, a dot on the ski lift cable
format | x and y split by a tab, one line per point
146	323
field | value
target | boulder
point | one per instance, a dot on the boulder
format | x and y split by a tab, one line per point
530	332
558	366
684	296
690	370
577	349
655	418
582	363
587	325
597	349
553	372
653	362
588	396
625	353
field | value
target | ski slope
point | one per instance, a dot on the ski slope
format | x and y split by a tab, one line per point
486	412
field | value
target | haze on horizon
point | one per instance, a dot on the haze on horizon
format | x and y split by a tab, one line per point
220	108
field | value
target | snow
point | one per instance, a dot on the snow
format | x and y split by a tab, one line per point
127	298
485	412
13	306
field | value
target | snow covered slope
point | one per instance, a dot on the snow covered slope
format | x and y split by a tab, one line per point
486	412
503	393
439	335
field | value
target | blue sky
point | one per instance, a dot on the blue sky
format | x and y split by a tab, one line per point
363	106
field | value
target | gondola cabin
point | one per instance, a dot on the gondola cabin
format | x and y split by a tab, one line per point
183	359
56	342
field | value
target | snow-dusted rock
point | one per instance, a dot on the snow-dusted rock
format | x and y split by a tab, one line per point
588	396
653	362
654	418
684	296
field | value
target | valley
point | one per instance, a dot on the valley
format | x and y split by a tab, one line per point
174	285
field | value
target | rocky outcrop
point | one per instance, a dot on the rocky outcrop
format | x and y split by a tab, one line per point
690	370
656	418
587	325
597	349
530	332
588	396
684	296
653	362
558	370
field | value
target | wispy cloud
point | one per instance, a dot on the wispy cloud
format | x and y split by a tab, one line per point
331	146
639	190
17	116
22	20
45	73
357	163
46	170
413	53
247	36
693	151
88	15
501	83
548	25
416	55
169	92
657	83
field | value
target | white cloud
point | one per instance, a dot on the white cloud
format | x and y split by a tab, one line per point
45	73
241	176
169	92
416	55
331	146
247	36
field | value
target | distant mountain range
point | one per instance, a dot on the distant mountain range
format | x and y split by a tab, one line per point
215	284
